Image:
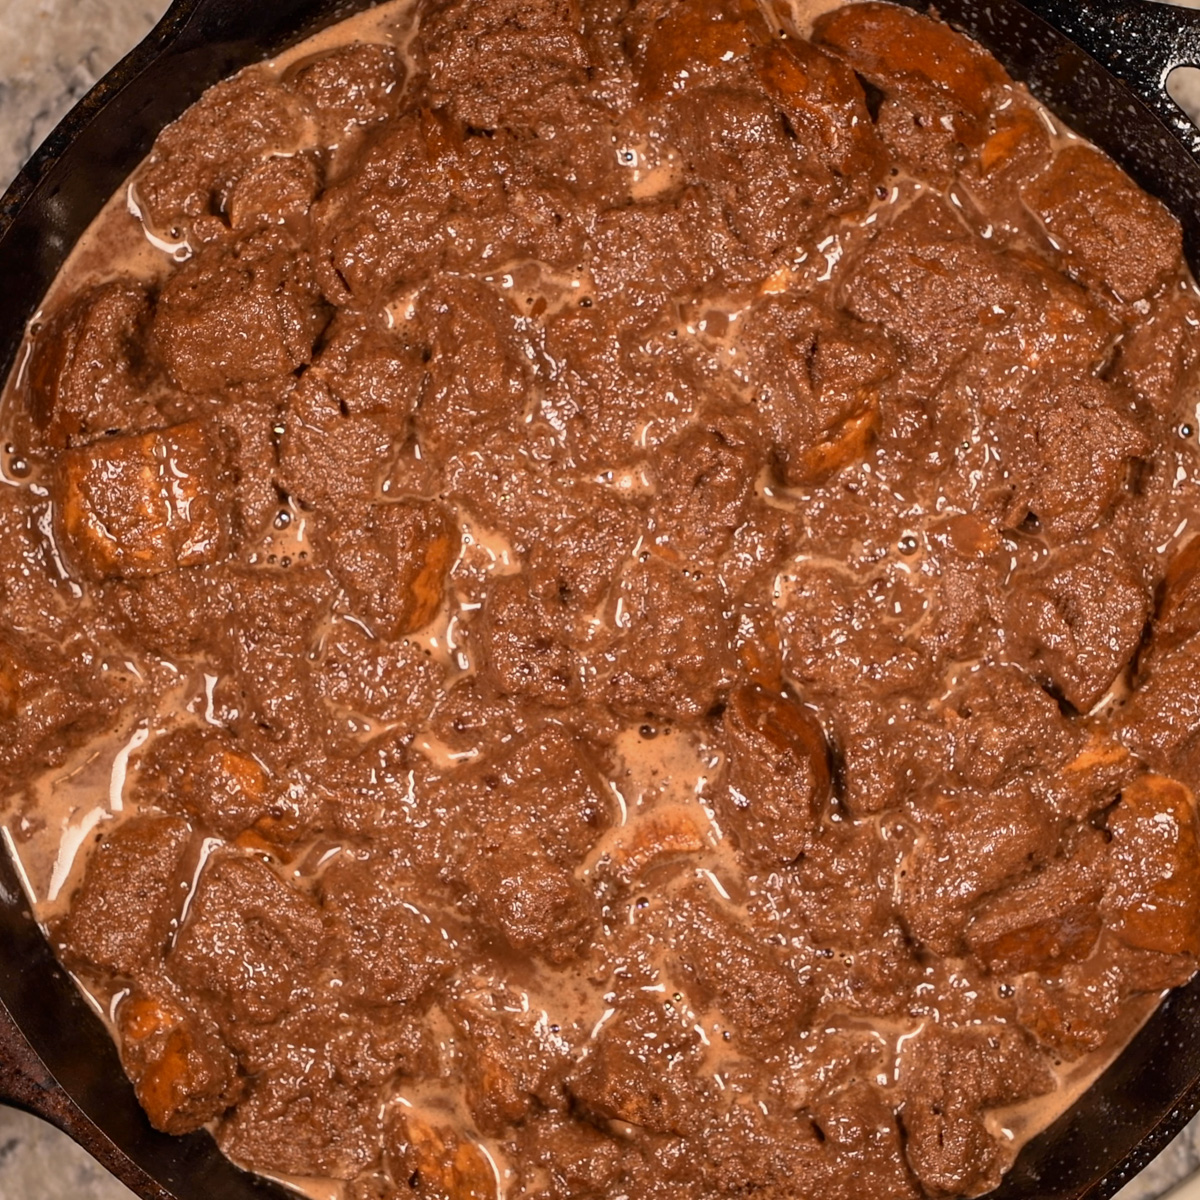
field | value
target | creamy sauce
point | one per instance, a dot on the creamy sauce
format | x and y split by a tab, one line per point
51	829
1018	1124
118	242
659	787
661	779
62	814
315	1189
797	16
287	540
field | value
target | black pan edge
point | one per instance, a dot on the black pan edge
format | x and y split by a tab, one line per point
1154	1087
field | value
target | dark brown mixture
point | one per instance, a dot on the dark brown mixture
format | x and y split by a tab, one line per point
642	572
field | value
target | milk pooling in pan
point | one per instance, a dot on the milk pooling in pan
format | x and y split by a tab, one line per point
601	600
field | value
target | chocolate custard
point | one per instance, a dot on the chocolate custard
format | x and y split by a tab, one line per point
600	601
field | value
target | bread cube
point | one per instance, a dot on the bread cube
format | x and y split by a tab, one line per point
141	505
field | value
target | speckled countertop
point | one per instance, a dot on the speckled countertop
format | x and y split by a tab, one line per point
51	52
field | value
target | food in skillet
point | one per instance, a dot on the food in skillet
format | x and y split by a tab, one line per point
608	607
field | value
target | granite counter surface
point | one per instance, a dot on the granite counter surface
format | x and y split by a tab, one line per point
51	53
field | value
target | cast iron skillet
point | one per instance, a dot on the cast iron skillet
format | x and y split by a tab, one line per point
1100	64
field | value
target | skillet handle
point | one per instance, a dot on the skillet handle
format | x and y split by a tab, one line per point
1140	42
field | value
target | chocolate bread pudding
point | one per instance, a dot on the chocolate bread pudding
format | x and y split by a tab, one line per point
600	600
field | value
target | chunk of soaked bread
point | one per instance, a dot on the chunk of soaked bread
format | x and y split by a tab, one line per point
141	505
